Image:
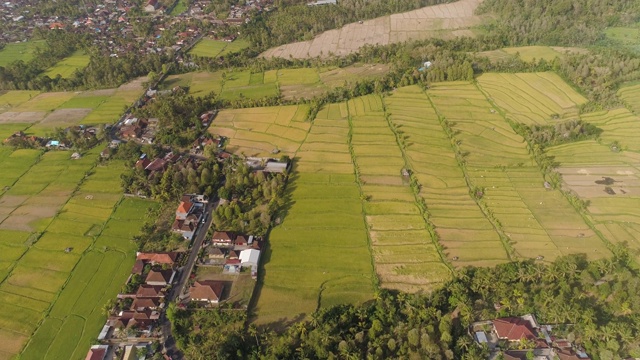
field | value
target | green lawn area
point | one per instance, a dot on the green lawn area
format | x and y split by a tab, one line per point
627	36
18	51
67	66
214	48
208	48
180	7
529	53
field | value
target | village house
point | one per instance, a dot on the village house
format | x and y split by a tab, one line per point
222	238
523	338
97	352
208	291
150	291
160	278
163	259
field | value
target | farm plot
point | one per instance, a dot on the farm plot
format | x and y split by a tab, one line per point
15	97
19	51
260	131
93	277
39	193
66	67
610	182
324	227
460	225
109	111
401	245
537	221
40	273
46	111
619	125
629	94
14	163
531	98
531	53
96	279
215	48
444	20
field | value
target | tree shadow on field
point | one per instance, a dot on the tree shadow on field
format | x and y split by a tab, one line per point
266	256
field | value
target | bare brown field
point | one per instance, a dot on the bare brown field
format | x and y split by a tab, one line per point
65	117
432	21
21	117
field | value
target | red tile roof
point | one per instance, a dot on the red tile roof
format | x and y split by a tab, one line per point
148	291
513	329
163	276
206	290
158	258
222	236
184	207
96	354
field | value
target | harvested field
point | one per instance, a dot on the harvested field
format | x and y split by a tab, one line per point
422	23
457	218
386	218
512	188
27	117
258	131
610	182
61	118
532	98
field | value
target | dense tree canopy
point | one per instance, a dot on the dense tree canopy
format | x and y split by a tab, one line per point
596	296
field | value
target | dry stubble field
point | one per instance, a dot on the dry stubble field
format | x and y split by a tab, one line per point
444	20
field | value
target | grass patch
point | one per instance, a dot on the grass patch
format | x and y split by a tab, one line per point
66	67
22	51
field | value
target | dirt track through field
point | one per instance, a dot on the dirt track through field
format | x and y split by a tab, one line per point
413	25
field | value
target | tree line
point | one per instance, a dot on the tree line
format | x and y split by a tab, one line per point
595	296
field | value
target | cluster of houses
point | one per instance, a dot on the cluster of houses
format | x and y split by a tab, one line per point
190	213
20	139
141	130
522	338
233	252
138	308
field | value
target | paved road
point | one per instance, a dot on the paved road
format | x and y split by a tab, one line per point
178	288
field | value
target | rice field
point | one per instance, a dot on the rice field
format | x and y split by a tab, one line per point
531	98
610	182
215	48
41	113
532	53
49	212
618	125
260	131
404	253
290	83
537	221
629	94
18	51
66	67
324	227
460	225
96	279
